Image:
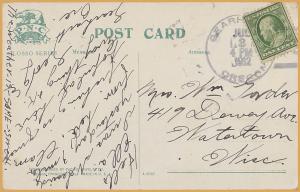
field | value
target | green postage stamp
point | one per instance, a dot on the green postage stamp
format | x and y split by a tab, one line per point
271	30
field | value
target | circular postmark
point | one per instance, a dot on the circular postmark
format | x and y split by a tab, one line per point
232	53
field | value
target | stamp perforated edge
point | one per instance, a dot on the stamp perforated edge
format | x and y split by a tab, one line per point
279	54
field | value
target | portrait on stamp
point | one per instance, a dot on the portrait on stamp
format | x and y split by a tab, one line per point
271	31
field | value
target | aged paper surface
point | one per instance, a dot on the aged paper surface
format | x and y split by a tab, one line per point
150	96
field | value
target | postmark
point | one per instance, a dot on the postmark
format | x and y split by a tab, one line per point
232	54
30	27
271	31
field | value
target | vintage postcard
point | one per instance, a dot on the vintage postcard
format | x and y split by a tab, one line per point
150	95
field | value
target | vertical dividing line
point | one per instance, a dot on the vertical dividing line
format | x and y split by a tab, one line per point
139	122
2	94
298	120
